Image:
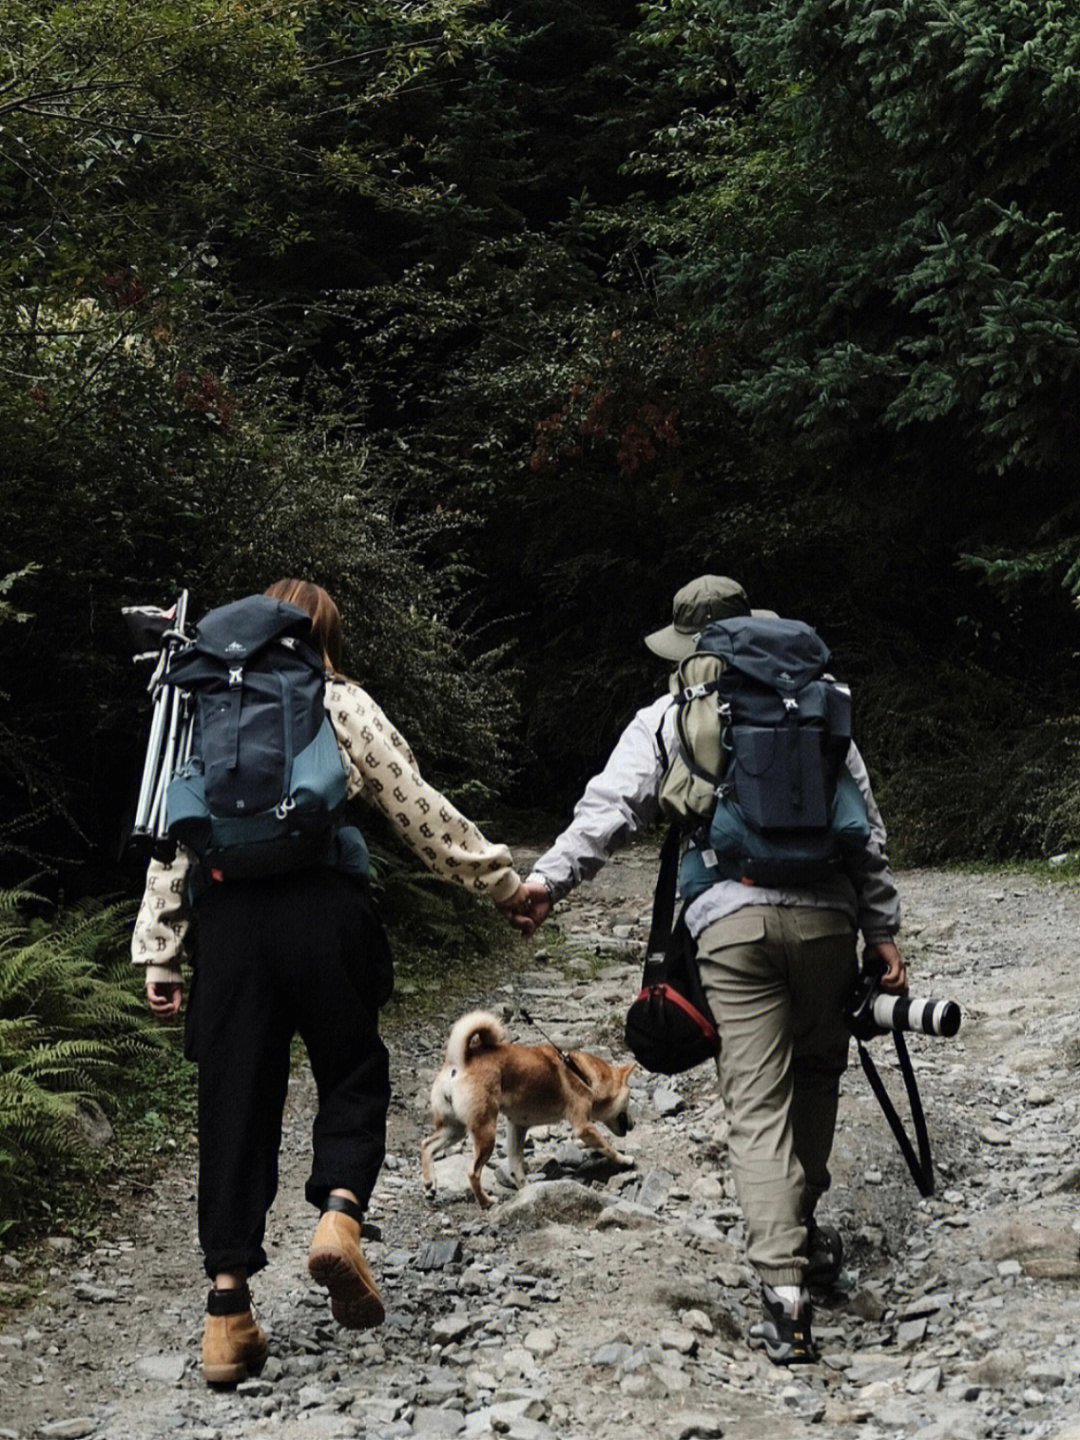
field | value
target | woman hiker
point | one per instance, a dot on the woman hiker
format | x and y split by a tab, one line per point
297	952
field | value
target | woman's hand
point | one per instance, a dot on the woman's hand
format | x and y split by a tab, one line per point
165	997
527	908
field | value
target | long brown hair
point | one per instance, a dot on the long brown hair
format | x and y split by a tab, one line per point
325	616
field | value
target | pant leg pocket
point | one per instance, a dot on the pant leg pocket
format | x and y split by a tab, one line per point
823	972
370	956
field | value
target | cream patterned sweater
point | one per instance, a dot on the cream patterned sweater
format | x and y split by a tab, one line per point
383	772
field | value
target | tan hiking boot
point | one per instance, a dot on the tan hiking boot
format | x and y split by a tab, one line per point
337	1262
234	1347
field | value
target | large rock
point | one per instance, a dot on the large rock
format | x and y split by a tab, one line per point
1043	1253
93	1124
998	1370
559	1201
687	1294
624	1215
168	1369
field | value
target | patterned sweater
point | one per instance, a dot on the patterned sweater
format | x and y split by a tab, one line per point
383	772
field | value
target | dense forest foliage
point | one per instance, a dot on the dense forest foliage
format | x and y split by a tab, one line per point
503	318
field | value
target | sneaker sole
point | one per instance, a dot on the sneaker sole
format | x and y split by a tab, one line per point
354	1303
783	1352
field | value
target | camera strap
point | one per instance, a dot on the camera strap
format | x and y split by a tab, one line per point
921	1164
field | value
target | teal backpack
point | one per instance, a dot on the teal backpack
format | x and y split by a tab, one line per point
759	776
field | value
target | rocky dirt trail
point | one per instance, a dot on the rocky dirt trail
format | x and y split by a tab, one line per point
612	1305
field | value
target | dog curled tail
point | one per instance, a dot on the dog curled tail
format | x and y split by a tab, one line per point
454	1107
479	1030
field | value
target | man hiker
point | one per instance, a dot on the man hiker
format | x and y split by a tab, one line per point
777	960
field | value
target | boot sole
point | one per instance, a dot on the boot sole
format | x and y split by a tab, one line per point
224	1374
233	1374
354	1303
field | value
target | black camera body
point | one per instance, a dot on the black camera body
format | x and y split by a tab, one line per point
871	1011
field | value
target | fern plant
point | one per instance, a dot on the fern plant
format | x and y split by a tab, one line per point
70	1023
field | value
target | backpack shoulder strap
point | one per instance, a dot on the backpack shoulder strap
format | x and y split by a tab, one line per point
664	897
661	743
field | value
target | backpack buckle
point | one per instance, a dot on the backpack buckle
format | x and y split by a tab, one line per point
236	676
789	703
282	810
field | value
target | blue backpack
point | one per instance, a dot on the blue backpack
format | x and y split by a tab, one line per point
265	782
764	732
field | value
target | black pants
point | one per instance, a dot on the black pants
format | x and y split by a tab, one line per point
293	954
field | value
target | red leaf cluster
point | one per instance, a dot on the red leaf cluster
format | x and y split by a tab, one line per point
206	397
128	290
643	432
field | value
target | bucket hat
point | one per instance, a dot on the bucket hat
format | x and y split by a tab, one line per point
708	598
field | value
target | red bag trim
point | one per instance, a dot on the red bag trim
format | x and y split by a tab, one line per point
668	992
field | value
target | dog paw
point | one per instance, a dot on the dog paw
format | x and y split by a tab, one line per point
511	1178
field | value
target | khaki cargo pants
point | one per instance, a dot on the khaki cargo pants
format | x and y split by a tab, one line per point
777	978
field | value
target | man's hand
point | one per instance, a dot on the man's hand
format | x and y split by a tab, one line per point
165	997
528	907
894	977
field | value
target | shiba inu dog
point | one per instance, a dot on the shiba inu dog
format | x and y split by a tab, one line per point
484	1076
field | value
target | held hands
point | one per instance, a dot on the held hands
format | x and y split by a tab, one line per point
164	997
527	908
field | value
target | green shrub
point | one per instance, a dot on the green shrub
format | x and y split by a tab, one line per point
71	1022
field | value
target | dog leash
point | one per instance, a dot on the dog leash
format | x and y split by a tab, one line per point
570	1063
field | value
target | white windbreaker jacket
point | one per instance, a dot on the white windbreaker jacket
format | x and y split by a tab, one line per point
624	799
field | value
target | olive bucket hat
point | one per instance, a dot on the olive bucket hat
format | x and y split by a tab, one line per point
708	598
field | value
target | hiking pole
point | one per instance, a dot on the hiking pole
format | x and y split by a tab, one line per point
168	766
170	725
178	742
152	762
